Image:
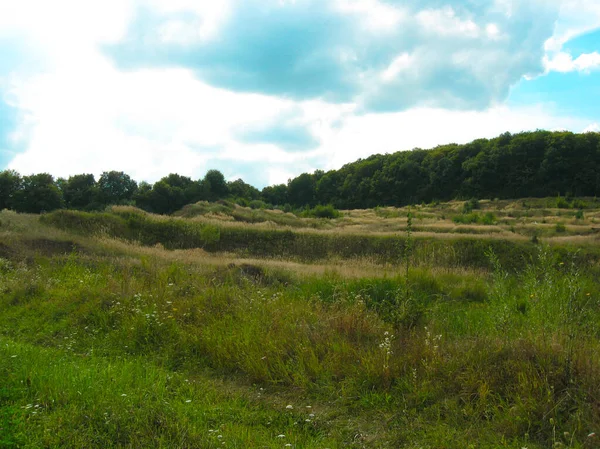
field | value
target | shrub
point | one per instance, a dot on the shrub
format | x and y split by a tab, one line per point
258	204
320	211
560	227
488	219
562	203
470	205
466	219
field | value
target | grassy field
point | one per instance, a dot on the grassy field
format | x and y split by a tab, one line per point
471	325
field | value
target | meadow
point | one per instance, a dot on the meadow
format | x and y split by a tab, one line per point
448	325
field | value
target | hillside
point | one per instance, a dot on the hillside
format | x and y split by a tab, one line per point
237	327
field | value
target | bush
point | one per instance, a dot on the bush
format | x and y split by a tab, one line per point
258	204
320	211
470	205
560	228
579	215
562	203
488	219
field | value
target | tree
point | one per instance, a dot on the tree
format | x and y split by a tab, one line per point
38	193
276	195
80	192
10	181
238	189
215	185
301	190
116	187
142	196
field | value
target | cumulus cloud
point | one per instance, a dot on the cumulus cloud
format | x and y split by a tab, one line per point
564	62
455	56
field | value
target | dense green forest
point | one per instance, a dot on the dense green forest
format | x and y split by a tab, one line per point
530	164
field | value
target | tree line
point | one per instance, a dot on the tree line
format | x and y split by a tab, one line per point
529	164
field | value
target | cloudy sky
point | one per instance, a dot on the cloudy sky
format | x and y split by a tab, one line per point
268	89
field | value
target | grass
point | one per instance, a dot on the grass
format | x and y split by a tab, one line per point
110	340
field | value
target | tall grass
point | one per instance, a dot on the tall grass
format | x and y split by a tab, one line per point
106	345
303	246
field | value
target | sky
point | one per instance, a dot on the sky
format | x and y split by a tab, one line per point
264	90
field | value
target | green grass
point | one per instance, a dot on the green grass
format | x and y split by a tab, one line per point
105	349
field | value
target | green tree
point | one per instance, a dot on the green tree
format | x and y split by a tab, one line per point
10	181
238	189
215	185
38	193
116	187
80	192
301	190
276	195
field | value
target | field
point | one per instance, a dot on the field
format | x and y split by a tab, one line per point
453	325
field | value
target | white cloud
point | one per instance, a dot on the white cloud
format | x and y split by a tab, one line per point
577	17
593	128
401	63
444	22
376	16
564	62
209	16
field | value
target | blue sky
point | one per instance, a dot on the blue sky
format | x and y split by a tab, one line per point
267	89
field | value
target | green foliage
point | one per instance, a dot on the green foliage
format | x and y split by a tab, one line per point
37	193
560	228
257	204
530	164
562	203
10	182
470	205
116	187
319	211
81	192
215	185
474	218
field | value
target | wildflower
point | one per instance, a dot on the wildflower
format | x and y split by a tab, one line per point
281	436
289	406
188	401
